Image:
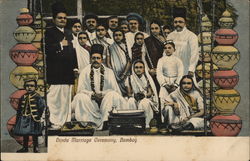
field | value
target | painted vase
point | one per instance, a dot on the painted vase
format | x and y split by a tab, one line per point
207	74
226	36
15	97
24	54
226	125
226	79
20	73
225	57
24	18
226	100
40	68
226	21
24	34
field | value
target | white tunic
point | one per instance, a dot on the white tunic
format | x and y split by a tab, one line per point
87	109
169	71
106	42
91	35
186	44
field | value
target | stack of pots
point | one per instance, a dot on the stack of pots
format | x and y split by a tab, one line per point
24	54
226	99
39	26
206	28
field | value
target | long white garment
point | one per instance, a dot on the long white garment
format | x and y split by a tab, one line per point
82	56
185	109
87	109
130	39
110	32
186	44
141	85
118	62
91	35
169	71
75	40
106	42
59	103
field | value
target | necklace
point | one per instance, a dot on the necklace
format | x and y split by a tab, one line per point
92	83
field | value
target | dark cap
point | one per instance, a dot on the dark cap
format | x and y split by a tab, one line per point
97	48
179	12
58	7
89	16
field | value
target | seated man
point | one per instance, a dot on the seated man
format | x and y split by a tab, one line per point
97	91
184	107
142	91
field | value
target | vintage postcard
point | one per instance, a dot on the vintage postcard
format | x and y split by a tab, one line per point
124	80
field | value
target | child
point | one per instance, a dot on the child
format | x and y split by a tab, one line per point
29	113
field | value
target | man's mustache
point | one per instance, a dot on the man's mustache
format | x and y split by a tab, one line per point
178	27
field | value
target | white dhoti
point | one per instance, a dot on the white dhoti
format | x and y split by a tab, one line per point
144	104
59	103
169	114
89	111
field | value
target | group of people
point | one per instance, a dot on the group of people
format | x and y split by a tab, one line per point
115	65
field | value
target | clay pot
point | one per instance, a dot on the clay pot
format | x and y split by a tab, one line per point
40	68
225	57
226	100
24	54
206	38
226	79
20	73
207	87
10	126
226	36
24	18
15	97
24	34
226	20
226	125
207	70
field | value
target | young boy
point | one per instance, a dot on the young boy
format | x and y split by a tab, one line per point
29	113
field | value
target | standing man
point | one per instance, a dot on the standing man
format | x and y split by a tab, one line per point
90	21
186	42
113	24
97	91
134	21
61	62
124	26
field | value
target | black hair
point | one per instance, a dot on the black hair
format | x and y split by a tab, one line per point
119	30
170	43
167	27
139	61
138	33
30	80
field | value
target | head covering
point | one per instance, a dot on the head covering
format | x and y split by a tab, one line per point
58	7
179	12
89	16
102	24
138	85
135	16
111	17
97	48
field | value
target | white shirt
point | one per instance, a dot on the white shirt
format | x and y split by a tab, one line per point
169	70
186	44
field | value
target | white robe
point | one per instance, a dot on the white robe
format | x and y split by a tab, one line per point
110	32
87	109
59	103
118	63
149	105
91	35
184	108
186	44
82	56
169	71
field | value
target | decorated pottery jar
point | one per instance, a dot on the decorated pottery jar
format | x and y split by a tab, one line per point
226	79
226	21
207	73
41	87
40	68
226	125
226	36
24	34
15	97
207	87
226	100
20	73
10	127
24	18
206	25
225	57
24	54
206	38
